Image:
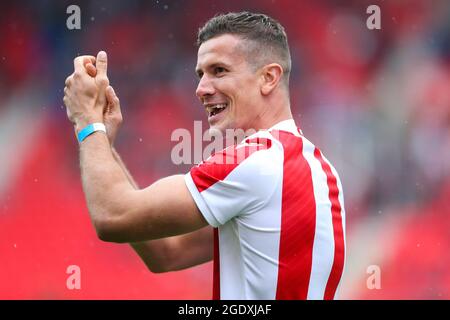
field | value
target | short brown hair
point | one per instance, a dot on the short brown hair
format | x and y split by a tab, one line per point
267	35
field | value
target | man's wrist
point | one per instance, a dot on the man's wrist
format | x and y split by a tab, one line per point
90	129
80	124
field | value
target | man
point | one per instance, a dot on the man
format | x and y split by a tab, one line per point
272	219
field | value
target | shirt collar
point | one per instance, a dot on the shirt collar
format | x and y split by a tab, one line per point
287	125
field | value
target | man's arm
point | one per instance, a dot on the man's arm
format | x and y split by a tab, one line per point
173	253
119	212
177	253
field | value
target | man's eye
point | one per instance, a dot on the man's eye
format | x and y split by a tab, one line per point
219	70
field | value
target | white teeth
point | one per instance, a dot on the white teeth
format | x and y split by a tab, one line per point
215	107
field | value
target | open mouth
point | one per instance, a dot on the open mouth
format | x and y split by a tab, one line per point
216	109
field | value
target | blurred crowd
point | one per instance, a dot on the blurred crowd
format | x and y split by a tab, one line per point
376	102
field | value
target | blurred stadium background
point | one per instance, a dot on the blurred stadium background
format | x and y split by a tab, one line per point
377	102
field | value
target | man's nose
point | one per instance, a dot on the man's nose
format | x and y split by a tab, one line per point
204	88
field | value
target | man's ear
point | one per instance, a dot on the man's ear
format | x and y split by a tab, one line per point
271	75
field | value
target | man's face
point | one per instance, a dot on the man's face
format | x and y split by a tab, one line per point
228	86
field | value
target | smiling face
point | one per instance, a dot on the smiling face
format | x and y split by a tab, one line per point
228	86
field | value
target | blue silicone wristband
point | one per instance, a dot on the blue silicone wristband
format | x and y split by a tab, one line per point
90	129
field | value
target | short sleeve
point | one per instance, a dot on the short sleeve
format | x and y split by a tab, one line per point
235	181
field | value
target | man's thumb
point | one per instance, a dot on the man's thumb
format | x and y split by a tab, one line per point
102	63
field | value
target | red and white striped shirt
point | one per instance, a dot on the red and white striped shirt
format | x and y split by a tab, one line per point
278	208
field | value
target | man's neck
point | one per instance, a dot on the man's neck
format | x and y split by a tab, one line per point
268	121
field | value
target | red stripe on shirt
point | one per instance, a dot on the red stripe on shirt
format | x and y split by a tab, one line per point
298	221
339	247
220	165
216	267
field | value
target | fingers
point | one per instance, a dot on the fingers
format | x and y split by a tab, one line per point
102	64
80	62
91	69
68	80
88	59
113	100
86	71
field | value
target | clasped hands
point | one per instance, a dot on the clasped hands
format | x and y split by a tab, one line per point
89	98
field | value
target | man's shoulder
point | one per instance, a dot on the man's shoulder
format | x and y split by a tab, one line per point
249	147
258	154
